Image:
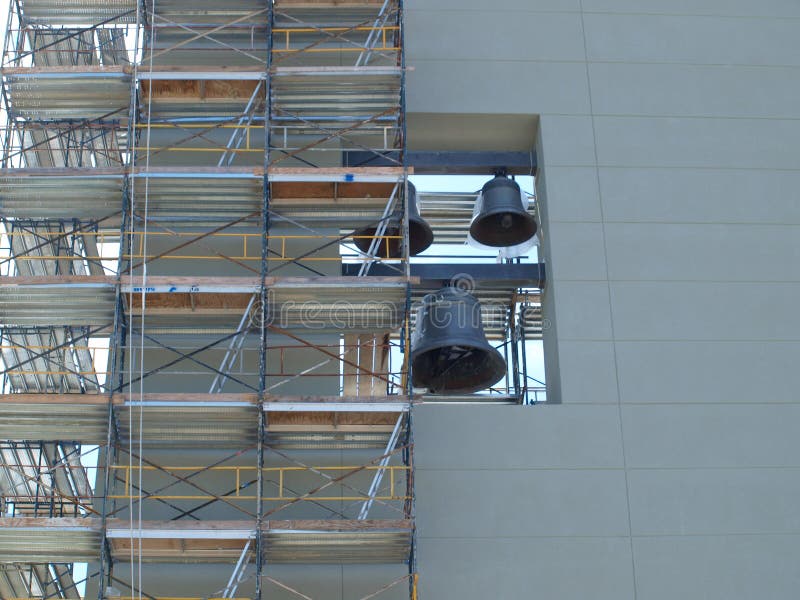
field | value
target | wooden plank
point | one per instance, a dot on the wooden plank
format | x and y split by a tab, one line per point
185	171
187	397
333	421
345	69
118	399
328	4
337	399
349	282
77	70
178	548
219	282
241	282
210	70
122	525
201	90
183	280
332	525
201	303
50	523
102	399
371	429
335	173
69	399
62	172
331	190
21	280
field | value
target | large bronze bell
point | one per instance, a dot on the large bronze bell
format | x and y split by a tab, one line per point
449	350
502	220
420	234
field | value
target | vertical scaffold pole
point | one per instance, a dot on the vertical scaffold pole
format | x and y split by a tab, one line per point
514	341
408	454
523	344
118	340
264	306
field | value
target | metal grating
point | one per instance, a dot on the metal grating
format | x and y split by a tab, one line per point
79	422
336	96
338	304
60	197
62	95
57	305
348	542
42	540
200	426
58	12
200	199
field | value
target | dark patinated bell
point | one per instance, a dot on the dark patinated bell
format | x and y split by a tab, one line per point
449	350
420	234
502	220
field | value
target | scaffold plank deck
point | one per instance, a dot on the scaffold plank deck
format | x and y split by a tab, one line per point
90	94
203	420
43	540
337	541
323	303
347	197
272	402
296	174
51	417
54	12
328	4
296	541
65	539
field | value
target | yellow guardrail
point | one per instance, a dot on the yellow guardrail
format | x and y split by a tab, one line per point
240	475
247	239
286	33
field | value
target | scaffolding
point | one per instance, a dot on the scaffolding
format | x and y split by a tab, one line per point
199	365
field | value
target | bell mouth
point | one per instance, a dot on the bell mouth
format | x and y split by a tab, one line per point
457	369
503	229
390	246
420	237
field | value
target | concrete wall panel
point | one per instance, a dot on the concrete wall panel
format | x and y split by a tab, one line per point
732	8
593	369
692	195
705	311
717	567
475	36
700	252
708	372
555	501
711	436
693	39
694	90
714	501
563	568
684	142
446	437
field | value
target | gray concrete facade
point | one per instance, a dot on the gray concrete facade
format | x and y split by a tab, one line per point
669	152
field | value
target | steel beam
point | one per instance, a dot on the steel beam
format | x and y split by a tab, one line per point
433	275
450	162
